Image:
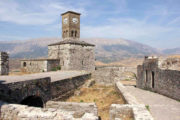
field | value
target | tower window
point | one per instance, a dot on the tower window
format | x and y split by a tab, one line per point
146	75
72	33
24	64
66	33
153	79
75	33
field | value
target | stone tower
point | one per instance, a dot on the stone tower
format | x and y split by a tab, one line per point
4	63
70	25
72	53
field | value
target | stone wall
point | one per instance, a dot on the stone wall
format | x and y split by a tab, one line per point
39	65
112	74
134	112
4	63
15	92
73	56
162	81
81	108
62	89
23	112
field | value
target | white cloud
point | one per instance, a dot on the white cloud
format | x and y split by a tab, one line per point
126	28
45	13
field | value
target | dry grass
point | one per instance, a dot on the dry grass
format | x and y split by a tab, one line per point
18	72
174	56
103	96
129	62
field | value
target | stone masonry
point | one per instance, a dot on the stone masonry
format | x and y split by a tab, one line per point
109	75
152	75
23	112
73	55
39	65
4	63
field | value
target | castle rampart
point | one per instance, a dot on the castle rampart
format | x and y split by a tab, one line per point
151	76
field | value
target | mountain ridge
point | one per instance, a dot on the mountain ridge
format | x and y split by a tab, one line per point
106	50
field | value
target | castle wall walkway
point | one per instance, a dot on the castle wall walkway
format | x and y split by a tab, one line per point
161	107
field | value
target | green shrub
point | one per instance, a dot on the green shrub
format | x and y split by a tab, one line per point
59	67
53	69
81	101
147	107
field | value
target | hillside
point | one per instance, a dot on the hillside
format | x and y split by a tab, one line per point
172	51
107	50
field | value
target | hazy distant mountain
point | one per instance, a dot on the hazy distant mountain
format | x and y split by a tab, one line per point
107	50
172	51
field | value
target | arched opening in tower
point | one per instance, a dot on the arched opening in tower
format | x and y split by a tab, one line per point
34	101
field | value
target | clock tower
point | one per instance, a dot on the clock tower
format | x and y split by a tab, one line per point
70	25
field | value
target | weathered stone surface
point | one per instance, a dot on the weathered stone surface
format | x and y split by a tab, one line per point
111	75
151	76
23	112
39	65
15	92
78	108
4	63
136	112
58	85
128	98
73	56
62	89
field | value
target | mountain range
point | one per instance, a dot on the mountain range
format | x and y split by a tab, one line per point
106	50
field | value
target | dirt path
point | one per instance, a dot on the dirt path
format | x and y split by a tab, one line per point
161	107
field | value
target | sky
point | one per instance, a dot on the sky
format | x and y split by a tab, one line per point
152	22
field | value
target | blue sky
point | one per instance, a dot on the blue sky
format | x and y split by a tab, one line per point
152	22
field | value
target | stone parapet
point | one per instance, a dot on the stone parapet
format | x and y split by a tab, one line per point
135	112
131	110
128	98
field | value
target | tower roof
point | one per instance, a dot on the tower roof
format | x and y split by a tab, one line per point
73	42
70	12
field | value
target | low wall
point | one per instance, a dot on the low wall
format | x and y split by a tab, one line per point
128	98
112	74
23	112
132	109
60	90
135	112
15	92
72	106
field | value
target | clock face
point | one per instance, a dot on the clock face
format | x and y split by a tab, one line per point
75	20
65	20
